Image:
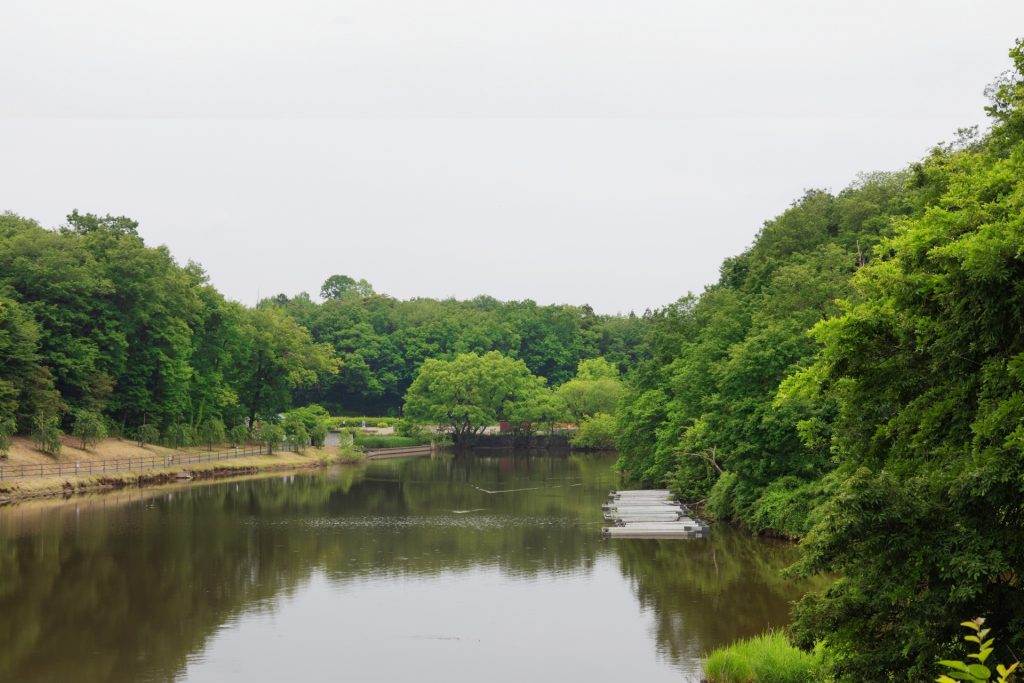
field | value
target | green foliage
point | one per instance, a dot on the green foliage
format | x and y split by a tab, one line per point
238	435
46	433
596	432
976	671
297	435
89	427
7	430
147	433
344	287
179	435
411	429
768	658
371	441
595	389
467	394
926	368
313	420
211	432
270	435
382	342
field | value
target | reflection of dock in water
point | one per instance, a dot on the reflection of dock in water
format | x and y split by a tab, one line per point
649	514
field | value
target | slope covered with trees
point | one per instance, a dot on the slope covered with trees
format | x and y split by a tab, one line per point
856	377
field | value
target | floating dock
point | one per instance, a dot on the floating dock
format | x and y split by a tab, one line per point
649	514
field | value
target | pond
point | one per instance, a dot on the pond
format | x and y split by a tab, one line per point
433	568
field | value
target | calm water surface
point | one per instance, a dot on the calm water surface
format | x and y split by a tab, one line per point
430	569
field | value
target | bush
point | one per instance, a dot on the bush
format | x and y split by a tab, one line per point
721	499
179	435
238	435
596	432
767	658
786	505
369	441
147	433
412	429
46	433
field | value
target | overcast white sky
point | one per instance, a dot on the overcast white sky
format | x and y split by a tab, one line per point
581	151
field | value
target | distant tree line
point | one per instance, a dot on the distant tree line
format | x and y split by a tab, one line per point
381	342
101	335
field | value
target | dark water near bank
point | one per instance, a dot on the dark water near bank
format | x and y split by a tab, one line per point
479	569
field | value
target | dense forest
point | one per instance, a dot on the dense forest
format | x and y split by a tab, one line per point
856	378
102	334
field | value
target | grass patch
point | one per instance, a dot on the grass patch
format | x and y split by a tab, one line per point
767	658
370	441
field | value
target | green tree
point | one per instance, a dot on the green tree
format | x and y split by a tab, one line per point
89	428
280	356
468	393
147	433
344	287
238	435
926	365
46	433
211	432
8	428
270	435
595	389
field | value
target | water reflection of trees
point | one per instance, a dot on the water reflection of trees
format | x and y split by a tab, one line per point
104	591
129	591
706	593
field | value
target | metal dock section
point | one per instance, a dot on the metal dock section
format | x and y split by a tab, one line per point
649	514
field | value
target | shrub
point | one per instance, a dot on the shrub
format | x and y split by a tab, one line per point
767	658
238	435
721	499
596	432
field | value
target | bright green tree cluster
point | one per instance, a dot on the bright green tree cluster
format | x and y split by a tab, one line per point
469	393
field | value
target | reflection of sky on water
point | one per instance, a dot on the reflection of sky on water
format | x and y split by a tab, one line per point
446	568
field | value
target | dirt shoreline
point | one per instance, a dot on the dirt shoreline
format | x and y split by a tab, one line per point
13	490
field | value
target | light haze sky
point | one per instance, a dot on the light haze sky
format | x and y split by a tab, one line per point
577	151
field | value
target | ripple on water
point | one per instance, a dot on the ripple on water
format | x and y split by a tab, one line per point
453	521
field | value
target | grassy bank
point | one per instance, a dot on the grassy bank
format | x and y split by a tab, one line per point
11	489
767	658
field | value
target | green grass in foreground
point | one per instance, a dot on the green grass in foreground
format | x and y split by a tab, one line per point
767	658
367	441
